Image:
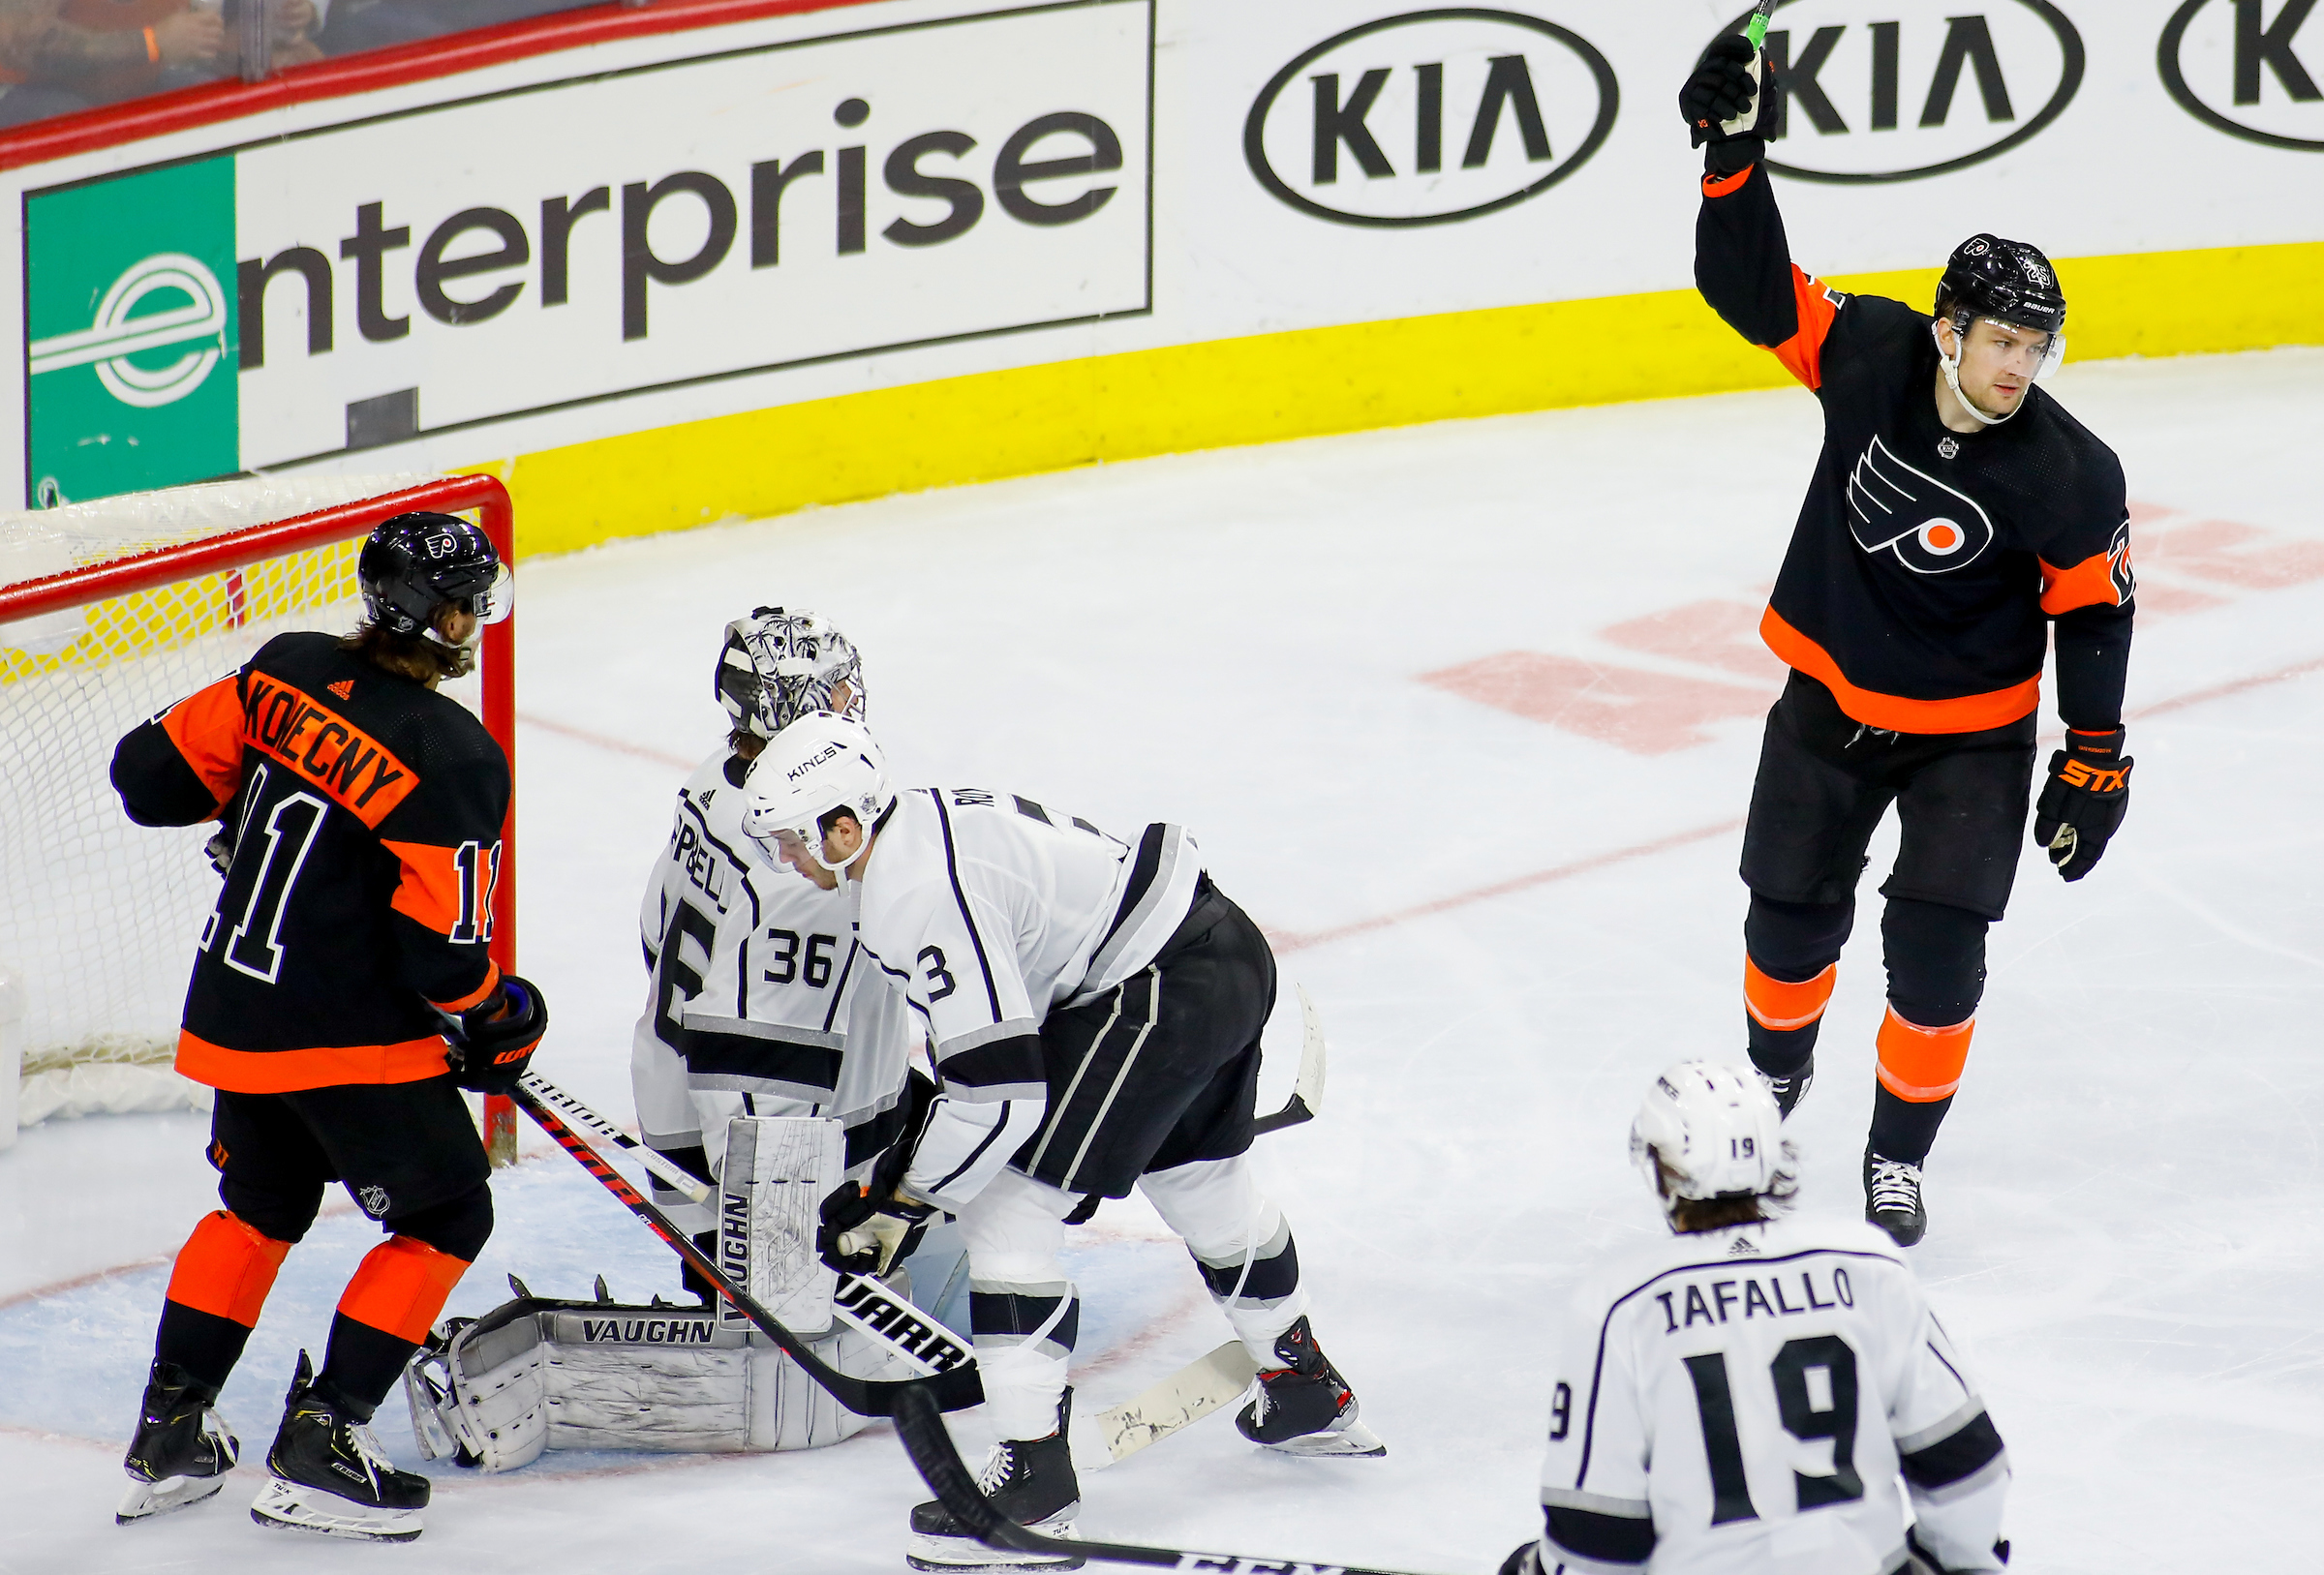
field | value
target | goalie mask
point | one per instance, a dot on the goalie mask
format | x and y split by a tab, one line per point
1708	1130
777	666
817	765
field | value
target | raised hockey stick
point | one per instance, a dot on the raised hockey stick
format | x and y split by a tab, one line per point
952	1390
925	1438
861	1302
1307	1092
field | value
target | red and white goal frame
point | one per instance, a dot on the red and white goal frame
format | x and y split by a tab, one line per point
140	627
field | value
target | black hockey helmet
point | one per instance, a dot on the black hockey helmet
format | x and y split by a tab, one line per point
413	563
2008	281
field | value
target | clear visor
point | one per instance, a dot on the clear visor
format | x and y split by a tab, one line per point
2028	350
497	600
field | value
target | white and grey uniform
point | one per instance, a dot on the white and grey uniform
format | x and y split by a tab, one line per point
1094	1006
761	1001
1745	1400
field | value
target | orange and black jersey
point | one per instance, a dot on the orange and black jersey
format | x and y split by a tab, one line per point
366	811
1925	561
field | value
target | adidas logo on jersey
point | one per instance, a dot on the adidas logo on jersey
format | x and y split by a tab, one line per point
1743	1247
344	687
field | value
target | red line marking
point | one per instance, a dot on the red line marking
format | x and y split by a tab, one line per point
620	747
1295	941
2233	686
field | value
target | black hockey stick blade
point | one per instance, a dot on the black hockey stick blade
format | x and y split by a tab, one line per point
952	1390
1307	1092
921	1426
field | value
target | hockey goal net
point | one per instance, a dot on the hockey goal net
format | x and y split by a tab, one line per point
110	611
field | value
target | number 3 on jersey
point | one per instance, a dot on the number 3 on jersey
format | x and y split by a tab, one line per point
1810	1411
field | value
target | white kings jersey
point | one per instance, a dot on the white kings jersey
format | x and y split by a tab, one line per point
1741	1401
991	912
760	1001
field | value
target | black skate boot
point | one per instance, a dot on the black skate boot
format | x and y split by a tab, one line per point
1304	1407
328	1475
1893	1198
182	1450
1030	1480
1789	1091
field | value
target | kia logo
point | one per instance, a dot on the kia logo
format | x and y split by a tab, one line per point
1430	117
2244	61
1935	86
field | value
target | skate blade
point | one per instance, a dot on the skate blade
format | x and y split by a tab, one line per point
145	1499
294	1507
1353	1440
964	1555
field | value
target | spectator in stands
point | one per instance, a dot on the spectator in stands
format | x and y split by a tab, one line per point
354	26
57	56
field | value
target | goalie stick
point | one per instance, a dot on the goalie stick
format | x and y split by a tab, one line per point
1100	1438
952	1390
920	1427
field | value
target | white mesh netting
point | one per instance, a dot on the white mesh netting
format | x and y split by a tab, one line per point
101	916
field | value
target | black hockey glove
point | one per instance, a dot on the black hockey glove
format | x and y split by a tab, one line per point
1720	90
219	850
1523	1560
868	1231
2084	800
498	1036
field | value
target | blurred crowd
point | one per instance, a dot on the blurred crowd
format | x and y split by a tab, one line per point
57	56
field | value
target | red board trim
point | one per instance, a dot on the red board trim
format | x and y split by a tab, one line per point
162	113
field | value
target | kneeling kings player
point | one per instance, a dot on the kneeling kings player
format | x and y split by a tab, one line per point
1745	1394
1954	508
1095	1007
360	837
760	999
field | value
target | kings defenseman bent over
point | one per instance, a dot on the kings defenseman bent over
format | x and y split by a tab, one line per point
1956	511
1095	1007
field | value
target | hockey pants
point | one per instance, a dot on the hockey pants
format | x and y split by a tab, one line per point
1024	1312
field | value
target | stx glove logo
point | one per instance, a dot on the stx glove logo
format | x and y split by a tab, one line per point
1894	508
1934	86
2100	779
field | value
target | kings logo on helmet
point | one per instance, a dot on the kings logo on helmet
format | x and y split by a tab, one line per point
1429	117
1912	89
2252	74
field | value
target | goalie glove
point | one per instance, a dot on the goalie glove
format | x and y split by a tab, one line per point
497	1036
2083	802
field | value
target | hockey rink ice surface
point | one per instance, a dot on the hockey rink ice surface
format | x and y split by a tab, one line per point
1465	714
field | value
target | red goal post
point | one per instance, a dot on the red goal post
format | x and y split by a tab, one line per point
134	610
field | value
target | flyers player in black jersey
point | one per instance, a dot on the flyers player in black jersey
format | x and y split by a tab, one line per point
360	817
1955	512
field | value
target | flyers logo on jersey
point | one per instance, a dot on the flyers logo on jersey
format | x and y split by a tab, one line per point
325	748
1931	528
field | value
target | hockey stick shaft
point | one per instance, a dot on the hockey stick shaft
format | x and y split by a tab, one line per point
959	1387
929	1443
863	1303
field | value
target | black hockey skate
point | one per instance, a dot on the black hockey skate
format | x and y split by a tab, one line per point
328	1475
182	1450
1030	1480
1789	1091
1304	1407
1893	1198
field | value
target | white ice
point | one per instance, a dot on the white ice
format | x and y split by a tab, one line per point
2127	1203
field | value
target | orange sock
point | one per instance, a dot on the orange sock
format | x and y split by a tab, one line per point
1922	1065
226	1268
1782	1006
400	1286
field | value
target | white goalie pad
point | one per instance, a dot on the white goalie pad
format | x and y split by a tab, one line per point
777	1172
535	1375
